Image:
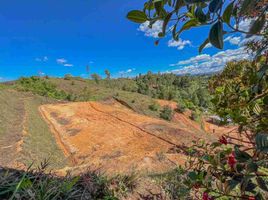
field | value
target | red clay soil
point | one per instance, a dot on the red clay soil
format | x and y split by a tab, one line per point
116	139
208	126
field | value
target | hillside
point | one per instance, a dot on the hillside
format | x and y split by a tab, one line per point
21	102
77	125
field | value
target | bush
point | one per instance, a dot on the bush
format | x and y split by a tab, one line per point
181	108
71	97
154	106
122	185
41	87
166	113
68	77
171	182
195	116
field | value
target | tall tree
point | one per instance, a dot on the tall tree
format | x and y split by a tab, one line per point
96	77
108	74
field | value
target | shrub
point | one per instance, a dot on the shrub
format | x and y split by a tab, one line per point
41	87
194	116
173	185
181	108
71	97
154	106
124	184
68	77
166	113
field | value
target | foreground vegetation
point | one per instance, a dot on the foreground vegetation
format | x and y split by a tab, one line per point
38	184
234	167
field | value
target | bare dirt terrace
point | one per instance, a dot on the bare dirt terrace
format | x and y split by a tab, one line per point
116	139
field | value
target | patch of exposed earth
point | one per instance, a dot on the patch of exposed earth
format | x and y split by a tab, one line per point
208	125
116	139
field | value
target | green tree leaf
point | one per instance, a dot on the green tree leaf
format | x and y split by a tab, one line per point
195	1
200	15
241	156
246	5
137	16
202	46
252	167
216	35
262	184
189	24
228	13
165	23
215	5
262	142
257	26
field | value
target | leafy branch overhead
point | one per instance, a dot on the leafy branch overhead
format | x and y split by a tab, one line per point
223	17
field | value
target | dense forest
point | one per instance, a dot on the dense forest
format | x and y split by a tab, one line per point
189	91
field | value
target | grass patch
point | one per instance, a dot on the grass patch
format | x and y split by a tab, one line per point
139	103
39	142
35	184
171	183
11	117
122	185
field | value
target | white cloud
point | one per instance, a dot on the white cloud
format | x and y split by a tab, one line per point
42	59
233	40
205	63
40	73
245	24
151	32
64	62
193	60
245	40
68	65
180	44
127	71
61	61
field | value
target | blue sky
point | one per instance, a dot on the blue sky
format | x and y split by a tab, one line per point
59	37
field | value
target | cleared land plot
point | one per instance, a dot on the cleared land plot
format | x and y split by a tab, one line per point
114	138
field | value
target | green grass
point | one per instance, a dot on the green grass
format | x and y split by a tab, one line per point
83	90
171	183
88	90
19	111
11	115
139	103
39	143
35	184
11	108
